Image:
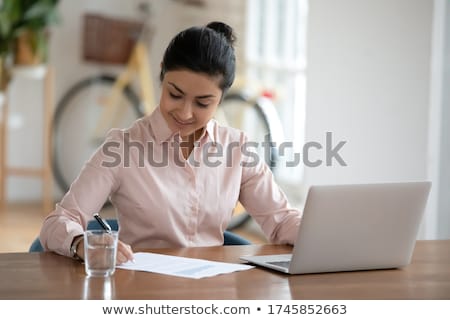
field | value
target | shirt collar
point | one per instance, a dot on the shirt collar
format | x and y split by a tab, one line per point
210	130
161	130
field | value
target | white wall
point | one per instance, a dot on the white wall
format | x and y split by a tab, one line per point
368	84
369	66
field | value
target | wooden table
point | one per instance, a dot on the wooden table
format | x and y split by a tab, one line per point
49	276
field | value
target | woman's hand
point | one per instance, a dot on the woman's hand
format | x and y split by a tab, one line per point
124	253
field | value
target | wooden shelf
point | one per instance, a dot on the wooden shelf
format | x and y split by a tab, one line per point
44	172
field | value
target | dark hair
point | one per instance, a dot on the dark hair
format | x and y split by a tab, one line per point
207	49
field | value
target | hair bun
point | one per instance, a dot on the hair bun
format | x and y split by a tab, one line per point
223	29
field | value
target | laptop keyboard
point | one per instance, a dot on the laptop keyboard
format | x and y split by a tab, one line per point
284	264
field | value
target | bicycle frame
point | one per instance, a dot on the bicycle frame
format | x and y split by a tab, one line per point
137	64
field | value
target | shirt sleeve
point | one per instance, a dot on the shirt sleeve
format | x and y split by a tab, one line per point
87	194
266	202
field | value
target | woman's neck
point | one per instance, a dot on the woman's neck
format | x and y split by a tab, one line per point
187	142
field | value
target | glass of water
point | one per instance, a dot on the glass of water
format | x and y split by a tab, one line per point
100	251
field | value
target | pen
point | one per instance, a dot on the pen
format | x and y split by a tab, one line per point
102	223
105	226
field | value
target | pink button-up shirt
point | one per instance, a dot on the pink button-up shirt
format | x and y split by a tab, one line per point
161	199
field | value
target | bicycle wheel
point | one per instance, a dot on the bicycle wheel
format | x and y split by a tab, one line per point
76	119
257	120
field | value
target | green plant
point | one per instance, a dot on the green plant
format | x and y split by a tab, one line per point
26	16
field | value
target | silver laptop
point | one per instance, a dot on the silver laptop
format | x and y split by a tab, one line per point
354	227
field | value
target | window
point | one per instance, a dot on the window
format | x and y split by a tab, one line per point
276	62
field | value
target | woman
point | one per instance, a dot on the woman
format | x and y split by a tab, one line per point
175	175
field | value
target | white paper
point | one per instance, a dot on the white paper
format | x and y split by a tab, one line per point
179	266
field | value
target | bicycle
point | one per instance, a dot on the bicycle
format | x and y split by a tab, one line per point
84	104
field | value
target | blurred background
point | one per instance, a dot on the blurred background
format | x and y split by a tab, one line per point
373	73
